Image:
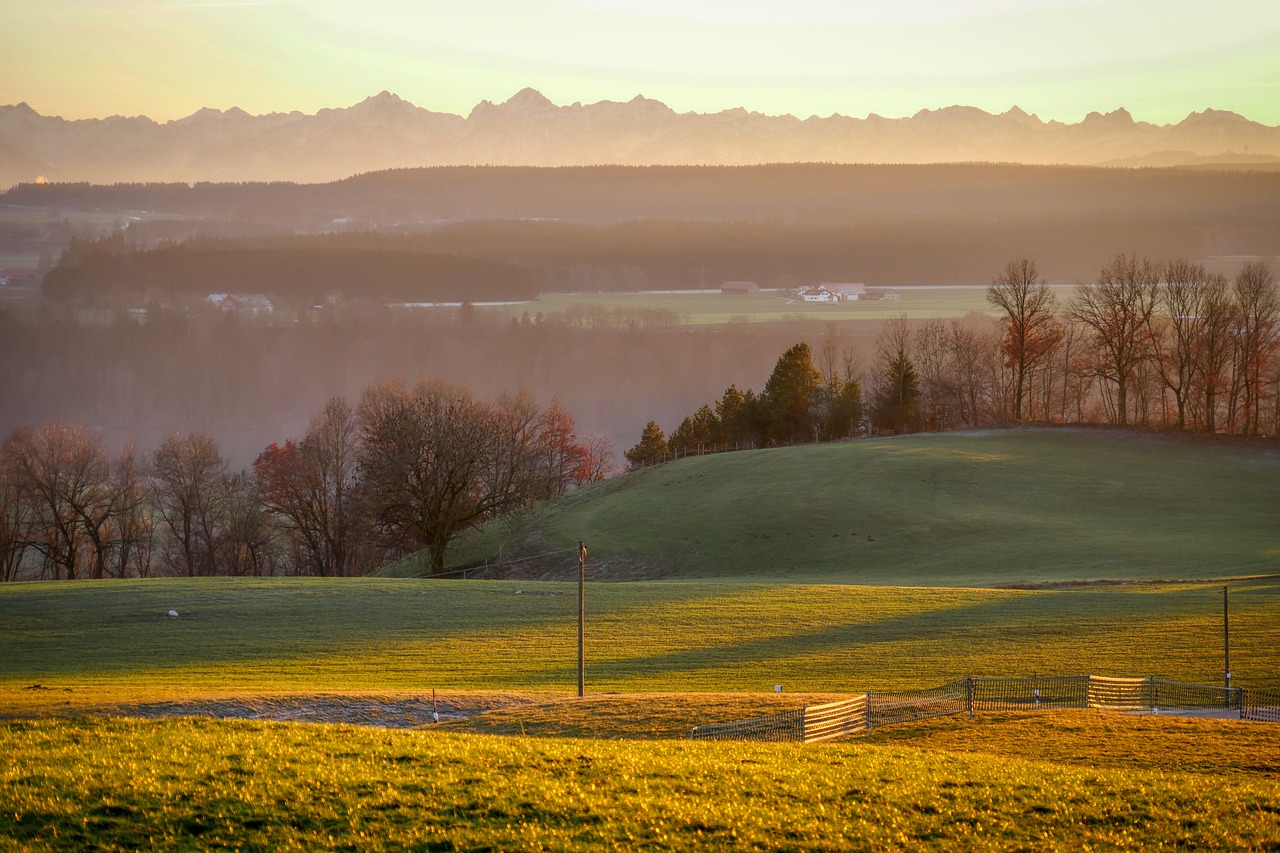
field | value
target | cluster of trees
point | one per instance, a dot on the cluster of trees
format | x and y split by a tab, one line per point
801	402
1153	344
1150	344
407	469
1165	344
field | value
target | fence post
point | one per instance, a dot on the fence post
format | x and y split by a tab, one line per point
869	723
968	690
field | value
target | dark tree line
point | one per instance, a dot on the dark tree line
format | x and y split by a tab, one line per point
407	469
801	192
502	260
304	270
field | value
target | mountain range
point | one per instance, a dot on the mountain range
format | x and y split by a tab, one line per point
385	132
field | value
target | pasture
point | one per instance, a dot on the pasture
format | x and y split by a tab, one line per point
708	308
71	647
129	784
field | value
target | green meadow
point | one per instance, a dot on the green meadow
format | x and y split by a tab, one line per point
716	308
976	508
77	646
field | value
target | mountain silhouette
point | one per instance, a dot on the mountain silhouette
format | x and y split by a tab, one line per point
385	131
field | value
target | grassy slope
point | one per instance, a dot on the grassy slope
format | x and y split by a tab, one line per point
92	643
960	509
125	784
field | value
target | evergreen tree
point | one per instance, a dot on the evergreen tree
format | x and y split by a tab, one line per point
696	433
651	449
790	394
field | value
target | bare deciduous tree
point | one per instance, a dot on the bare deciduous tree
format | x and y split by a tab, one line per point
189	480
1117	310
1029	329
66	475
310	489
1213	349
16	518
1258	307
435	461
132	523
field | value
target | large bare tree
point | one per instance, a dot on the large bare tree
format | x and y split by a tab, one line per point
1178	334
65	474
190	480
309	488
1029	328
16	517
435	461
1258	335
1117	310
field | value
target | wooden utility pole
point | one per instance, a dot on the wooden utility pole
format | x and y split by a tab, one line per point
582	618
1226	640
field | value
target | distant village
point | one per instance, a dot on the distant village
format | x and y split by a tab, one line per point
827	291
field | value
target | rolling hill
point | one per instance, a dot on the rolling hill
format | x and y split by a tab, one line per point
1024	506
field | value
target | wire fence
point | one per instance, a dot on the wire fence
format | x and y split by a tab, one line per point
970	695
789	725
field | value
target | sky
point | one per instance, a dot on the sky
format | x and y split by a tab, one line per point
1060	59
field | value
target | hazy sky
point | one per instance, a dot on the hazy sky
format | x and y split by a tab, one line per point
1058	58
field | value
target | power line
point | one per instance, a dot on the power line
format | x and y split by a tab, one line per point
502	563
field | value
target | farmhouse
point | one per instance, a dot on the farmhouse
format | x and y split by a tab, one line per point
741	288
884	294
846	291
817	293
832	292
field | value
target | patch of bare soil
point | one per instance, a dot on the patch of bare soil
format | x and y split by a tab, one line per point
380	711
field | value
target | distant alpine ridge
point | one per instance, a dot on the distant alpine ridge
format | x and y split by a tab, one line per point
385	132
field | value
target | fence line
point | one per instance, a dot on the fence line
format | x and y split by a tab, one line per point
1260	705
837	719
1031	693
955	697
968	695
789	725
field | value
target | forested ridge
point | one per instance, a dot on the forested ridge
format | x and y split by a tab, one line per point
477	233
306	269
503	260
814	192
